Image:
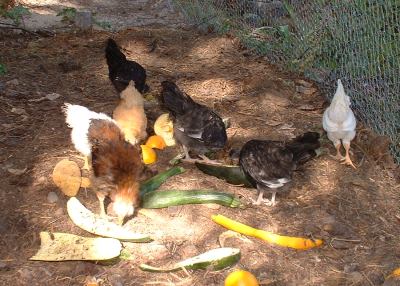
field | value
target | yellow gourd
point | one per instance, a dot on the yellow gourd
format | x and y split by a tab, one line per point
281	240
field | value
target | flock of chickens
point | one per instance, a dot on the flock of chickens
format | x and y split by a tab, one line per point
111	145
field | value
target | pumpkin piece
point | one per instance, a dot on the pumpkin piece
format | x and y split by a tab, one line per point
148	154
156	142
67	176
241	278
164	128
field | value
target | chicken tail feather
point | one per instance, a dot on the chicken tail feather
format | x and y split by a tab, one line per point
174	99
75	114
114	55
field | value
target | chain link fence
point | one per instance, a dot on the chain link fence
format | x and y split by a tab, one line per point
355	40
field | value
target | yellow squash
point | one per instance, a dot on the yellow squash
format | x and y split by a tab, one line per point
281	240
148	154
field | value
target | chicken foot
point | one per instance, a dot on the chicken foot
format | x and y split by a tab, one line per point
260	199
187	157
338	155
346	160
204	158
207	160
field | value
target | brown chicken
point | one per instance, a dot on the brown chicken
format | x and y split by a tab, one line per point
130	116
116	164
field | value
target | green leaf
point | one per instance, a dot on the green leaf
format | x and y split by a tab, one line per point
3	69
68	14
17	13
103	24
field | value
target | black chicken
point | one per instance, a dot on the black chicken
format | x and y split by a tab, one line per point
121	71
269	165
196	127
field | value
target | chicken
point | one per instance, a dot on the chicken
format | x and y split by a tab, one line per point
269	165
116	164
121	71
130	115
340	123
196	127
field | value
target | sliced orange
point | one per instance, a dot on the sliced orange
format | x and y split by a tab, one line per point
156	141
148	154
241	278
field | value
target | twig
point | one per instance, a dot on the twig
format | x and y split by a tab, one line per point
366	277
343	239
7	24
13	27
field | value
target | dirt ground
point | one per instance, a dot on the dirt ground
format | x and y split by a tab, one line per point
356	212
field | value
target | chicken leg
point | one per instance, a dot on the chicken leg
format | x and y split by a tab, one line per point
87	162
338	155
101	197
346	160
187	158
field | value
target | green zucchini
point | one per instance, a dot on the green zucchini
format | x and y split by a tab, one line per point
163	199
216	259
230	173
155	182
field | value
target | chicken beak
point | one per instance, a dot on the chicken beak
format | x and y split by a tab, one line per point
120	220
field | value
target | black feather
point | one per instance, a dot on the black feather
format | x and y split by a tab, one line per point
121	71
195	126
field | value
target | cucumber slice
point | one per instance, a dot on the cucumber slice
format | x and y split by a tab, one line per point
155	182
58	246
215	259
231	174
164	199
92	223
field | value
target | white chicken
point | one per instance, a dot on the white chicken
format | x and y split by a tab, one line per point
340	123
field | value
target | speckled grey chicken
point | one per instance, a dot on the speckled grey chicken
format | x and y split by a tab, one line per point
269	165
121	70
196	127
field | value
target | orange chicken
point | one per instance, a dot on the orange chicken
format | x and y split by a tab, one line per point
130	116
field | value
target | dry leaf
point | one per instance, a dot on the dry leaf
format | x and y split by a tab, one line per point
17	172
67	176
18	111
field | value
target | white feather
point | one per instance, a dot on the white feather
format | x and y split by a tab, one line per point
338	120
78	118
276	184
